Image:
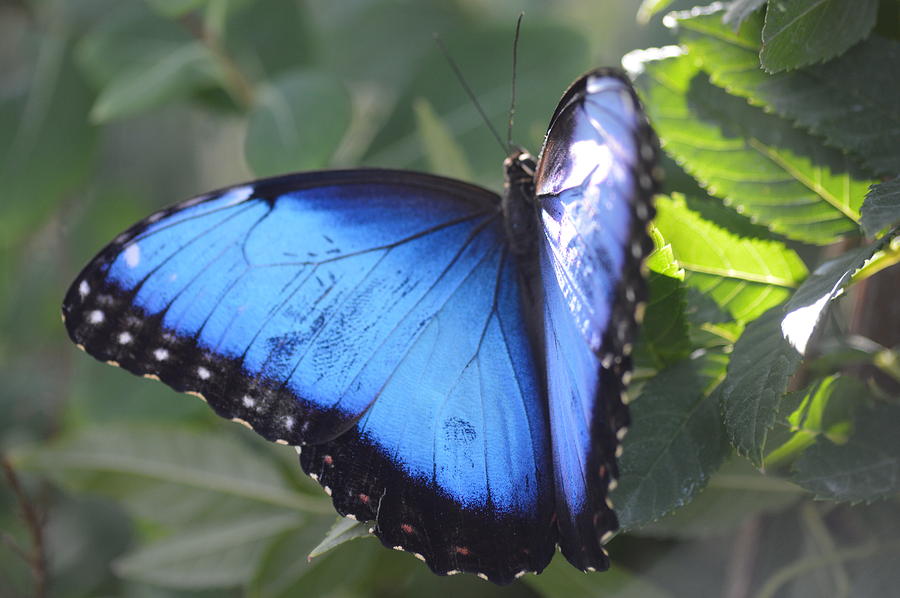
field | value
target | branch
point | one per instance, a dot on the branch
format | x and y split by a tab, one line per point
37	558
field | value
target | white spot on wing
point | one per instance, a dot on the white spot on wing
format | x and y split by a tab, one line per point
84	288
125	338
203	373
133	255
96	317
248	402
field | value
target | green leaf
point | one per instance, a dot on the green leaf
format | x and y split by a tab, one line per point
47	146
771	348
802	32
221	556
744	276
561	580
866	468
676	441
664	331
297	123
445	156
285	572
141	60
738	10
267	37
649	8
172	74
837	100
173	455
175	8
343	530
881	208
758	373
756	162
824	407
735	493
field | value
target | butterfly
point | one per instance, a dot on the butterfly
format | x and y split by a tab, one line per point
450	364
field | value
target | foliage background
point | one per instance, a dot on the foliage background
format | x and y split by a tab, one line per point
111	109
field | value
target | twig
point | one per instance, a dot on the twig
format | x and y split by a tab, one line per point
236	84
37	559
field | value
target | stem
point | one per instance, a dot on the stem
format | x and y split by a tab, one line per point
743	558
239	87
37	559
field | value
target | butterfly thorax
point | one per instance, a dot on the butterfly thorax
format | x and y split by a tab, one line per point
518	202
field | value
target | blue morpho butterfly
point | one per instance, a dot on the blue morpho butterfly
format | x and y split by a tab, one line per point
450	362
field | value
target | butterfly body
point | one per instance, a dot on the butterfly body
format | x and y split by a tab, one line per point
448	362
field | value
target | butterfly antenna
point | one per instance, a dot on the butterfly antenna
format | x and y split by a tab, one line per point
512	100
465	86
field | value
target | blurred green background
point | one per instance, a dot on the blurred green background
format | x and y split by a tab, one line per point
110	109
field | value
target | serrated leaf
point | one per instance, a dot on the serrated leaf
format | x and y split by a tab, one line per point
760	367
445	156
174	455
297	123
343	530
866	468
664	329
802	32
676	441
738	10
770	350
849	101
881	207
221	556
758	163
744	276
561	580
735	493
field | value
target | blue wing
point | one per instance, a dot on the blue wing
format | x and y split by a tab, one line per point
373	317
594	184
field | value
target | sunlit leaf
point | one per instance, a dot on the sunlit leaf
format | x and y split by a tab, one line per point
649	8
830	100
744	276
664	330
802	32
822	408
758	163
771	348
738	10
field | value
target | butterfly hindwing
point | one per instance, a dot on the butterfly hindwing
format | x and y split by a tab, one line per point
594	185
373	317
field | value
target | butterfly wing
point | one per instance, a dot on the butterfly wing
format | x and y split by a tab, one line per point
594	184
373	317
